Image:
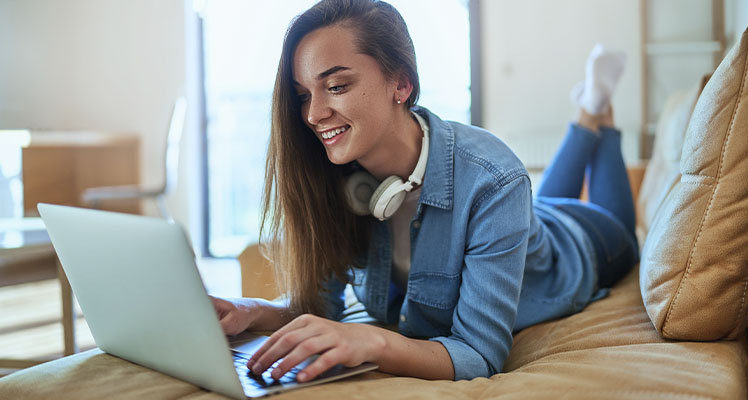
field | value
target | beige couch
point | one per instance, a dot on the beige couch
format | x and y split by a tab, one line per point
674	328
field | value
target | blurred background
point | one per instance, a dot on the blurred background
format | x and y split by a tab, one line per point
117	66
89	94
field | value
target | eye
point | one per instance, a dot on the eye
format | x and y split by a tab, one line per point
303	97
336	89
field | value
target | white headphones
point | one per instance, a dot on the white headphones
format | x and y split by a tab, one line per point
367	196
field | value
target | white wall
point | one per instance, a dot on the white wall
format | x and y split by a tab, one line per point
736	21
741	17
109	65
534	52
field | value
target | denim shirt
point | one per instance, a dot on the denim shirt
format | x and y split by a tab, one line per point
486	260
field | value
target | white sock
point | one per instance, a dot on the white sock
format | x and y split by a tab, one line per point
602	71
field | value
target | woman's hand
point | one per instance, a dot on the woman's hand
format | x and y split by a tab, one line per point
239	315
307	335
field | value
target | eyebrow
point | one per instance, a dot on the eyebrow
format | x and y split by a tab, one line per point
335	69
326	73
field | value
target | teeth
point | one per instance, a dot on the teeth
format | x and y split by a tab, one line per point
331	134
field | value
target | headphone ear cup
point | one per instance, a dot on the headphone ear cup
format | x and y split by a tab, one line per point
359	188
381	204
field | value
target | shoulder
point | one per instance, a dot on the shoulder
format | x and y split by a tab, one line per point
470	146
477	148
465	163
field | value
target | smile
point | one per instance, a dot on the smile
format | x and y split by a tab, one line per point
334	132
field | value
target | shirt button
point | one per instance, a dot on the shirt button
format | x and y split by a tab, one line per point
402	317
417	224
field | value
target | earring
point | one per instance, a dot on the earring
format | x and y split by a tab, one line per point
398	100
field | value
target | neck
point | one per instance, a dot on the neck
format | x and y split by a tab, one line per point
399	151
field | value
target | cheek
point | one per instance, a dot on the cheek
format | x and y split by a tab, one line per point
369	100
304	110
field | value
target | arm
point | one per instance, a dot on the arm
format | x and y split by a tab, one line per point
240	314
350	345
496	249
425	359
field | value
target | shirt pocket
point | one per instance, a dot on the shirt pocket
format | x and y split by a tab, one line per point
434	289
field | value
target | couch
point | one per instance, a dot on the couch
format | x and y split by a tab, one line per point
673	328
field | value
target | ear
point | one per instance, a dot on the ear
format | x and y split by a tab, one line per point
403	90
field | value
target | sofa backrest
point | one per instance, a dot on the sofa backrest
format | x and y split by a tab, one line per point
663	168
694	266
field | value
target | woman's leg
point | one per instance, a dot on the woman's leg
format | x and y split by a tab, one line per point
609	185
616	250
564	176
594	146
608	218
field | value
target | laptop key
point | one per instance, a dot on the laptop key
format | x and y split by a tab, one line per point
247	377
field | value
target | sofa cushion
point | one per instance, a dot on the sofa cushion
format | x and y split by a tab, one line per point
694	266
609	350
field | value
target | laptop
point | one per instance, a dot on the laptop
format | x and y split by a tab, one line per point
137	283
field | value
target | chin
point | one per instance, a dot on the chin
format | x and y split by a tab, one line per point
339	157
338	160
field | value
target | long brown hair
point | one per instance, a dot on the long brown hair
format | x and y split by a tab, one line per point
309	231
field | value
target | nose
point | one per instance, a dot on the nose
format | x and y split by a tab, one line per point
317	110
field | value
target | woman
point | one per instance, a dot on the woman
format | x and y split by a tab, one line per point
469	257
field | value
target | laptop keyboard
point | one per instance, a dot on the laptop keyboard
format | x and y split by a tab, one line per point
253	380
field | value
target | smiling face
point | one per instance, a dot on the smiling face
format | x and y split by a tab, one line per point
346	100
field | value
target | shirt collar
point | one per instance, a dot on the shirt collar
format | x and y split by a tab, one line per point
438	184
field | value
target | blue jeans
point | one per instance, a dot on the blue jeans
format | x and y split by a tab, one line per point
608	217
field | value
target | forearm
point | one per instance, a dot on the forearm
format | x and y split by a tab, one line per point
272	315
404	356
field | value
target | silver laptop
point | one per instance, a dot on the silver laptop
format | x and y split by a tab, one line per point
138	286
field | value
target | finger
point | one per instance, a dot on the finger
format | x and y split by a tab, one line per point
297	323
324	362
282	347
301	352
231	324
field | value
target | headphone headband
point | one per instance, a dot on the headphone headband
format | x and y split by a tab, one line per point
416	178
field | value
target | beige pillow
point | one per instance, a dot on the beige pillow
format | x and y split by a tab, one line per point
694	267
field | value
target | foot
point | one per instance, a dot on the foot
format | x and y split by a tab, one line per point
594	122
603	69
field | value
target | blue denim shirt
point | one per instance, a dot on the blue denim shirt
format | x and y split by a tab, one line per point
486	260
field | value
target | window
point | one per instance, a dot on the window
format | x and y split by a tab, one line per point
11	186
242	41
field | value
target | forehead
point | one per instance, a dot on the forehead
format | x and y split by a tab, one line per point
325	48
